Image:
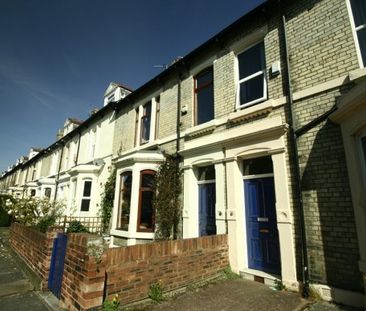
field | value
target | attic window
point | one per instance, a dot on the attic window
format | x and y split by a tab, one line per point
110	98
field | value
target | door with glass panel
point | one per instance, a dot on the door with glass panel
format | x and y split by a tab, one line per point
207	200
260	212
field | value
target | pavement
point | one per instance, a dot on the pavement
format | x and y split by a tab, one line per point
18	287
19	291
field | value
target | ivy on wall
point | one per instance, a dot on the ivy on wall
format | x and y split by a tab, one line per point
107	200
166	200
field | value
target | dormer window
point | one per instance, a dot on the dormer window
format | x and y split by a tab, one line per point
115	92
111	98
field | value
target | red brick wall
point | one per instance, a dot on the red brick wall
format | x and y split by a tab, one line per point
174	264
84	275
130	270
34	247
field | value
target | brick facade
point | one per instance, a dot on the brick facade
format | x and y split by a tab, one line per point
325	52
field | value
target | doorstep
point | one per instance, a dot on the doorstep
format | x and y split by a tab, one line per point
260	276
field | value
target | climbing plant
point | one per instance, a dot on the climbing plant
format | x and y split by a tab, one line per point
107	200
166	200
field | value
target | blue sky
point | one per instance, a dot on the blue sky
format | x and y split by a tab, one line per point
58	57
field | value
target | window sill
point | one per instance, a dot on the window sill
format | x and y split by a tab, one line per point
255	110
201	129
132	235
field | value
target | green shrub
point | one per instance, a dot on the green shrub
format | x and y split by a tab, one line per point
230	275
5	218
279	285
30	211
46	222
156	292
112	305
166	200
76	226
107	201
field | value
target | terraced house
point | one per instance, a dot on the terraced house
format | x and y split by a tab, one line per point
269	118
76	166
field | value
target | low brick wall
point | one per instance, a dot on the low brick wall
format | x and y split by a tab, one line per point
174	264
34	247
129	271
84	275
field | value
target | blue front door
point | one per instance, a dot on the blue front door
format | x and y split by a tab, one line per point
207	202
262	233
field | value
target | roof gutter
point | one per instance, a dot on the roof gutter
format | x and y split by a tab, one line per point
59	170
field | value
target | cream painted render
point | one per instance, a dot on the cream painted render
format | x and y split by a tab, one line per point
226	151
93	164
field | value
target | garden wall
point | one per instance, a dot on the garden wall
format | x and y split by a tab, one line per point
34	247
92	273
173	264
129	271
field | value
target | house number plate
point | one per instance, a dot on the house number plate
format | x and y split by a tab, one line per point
262	219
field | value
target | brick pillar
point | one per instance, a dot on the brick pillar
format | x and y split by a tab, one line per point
84	273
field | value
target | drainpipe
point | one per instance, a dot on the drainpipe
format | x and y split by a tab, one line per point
225	191
300	205
78	149
25	183
178	113
58	171
178	126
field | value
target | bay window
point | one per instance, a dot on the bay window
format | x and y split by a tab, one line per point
85	200
145	219
124	206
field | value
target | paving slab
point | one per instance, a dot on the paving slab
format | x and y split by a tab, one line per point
16	287
231	295
327	306
16	291
29	301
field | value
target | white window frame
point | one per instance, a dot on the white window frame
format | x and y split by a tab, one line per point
86	197
256	74
67	155
140	110
92	142
111	97
354	32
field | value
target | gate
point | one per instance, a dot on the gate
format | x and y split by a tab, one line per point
57	264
